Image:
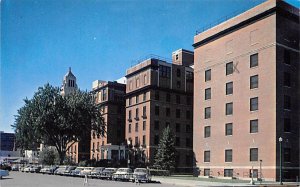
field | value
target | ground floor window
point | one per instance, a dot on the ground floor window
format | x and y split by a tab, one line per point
228	172
206	172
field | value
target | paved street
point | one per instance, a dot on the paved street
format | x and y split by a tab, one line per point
19	179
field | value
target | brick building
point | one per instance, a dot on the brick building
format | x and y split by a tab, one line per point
160	94
246	94
110	97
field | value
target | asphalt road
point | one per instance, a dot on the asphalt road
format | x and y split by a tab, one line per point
20	179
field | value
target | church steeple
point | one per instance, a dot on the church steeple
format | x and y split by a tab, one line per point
69	83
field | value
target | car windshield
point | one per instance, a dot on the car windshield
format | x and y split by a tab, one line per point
140	170
109	170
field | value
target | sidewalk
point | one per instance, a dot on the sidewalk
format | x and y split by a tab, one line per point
190	182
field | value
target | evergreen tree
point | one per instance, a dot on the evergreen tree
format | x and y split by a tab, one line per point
166	152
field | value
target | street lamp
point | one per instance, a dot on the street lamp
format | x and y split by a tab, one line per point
260	175
128	159
280	160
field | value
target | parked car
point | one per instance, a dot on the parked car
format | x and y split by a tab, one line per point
3	173
27	168
60	170
123	174
77	171
35	169
45	169
68	170
107	173
15	167
141	175
96	172
86	171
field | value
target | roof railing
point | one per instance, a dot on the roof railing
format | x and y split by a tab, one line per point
150	56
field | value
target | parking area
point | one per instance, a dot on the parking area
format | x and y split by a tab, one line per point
20	179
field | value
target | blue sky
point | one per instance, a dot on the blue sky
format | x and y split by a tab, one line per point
99	39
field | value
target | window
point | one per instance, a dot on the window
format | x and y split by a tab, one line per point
206	156
137	83
254	126
178	99
156	95
168	97
188	128
206	131
207	93
178	84
168	112
228	172
176	57
229	108
229	68
136	113
287	79
144	111
130	101
144	125
206	172
157	110
229	88
164	71
156	140
144	96
189	76
129	115
188	100
156	125
178	72
188	142
136	127
287	154
287	57
145	79
188	114
177	113
254	104
228	129
177	141
207	112
253	154
129	128
136	142
253	60
137	99
254	81
228	155
104	95
287	125
144	139
287	102
207	75
255	173
177	127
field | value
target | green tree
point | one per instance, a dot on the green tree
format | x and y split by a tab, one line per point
49	156
166	152
57	120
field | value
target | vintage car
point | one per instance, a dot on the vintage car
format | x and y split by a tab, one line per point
69	170
60	170
107	173
123	174
3	173
28	168
77	171
141	175
86	171
35	169
96	172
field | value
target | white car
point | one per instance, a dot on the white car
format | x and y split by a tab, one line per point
3	173
123	174
86	171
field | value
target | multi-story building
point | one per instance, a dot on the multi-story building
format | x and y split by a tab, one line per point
77	151
160	94
246	94
110	97
7	141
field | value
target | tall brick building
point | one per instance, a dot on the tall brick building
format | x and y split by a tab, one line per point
247	94
110	97
160	94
